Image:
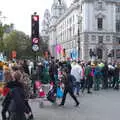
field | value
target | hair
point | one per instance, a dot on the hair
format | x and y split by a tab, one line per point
15	68
17	76
8	76
21	69
65	70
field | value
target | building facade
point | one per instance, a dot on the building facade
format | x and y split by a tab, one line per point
90	28
58	8
45	26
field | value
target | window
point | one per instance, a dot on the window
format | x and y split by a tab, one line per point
100	5
93	37
118	53
118	40
118	9
100	39
107	38
117	25
100	23
73	29
73	18
81	8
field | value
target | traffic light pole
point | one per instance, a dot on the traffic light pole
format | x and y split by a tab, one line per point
35	33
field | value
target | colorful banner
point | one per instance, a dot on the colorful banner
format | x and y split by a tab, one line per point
58	49
13	54
74	54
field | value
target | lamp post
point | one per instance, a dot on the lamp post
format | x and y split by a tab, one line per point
79	21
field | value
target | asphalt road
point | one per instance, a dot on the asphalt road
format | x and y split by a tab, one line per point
100	105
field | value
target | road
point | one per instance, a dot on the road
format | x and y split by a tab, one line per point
100	105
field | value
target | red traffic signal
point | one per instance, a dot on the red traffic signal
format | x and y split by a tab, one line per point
35	17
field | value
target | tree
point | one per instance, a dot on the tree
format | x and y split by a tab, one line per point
22	44
1	38
16	40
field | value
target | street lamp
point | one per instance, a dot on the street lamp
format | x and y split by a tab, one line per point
79	21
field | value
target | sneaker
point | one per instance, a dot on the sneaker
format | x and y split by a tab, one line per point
60	105
77	94
89	92
77	104
31	117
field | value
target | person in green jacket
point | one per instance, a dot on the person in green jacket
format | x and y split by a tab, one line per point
88	70
46	77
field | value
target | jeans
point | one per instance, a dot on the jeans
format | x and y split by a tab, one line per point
77	87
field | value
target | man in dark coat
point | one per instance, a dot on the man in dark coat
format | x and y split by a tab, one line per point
68	87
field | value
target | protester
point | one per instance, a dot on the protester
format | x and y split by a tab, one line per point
76	71
68	87
88	76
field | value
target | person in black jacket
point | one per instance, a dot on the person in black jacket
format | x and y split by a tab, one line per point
11	85
68	87
53	71
116	75
105	76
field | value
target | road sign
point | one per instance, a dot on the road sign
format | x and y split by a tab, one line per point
35	47
35	40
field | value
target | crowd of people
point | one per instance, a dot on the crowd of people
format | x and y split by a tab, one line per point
75	76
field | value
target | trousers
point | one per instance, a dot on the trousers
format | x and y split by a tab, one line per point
70	91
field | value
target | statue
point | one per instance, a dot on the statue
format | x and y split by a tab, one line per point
59	2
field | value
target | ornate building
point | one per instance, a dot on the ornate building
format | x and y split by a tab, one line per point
45	26
89	27
57	10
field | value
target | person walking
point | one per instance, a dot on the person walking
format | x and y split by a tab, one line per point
116	77
88	76
76	71
26	82
14	101
68	87
6	101
97	78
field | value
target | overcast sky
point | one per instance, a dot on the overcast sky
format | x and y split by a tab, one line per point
19	12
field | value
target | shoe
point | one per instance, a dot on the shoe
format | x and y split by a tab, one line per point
89	92
77	104
77	94
60	105
31	117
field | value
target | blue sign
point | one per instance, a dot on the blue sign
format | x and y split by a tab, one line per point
1	75
74	54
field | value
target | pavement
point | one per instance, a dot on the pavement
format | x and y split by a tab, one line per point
100	105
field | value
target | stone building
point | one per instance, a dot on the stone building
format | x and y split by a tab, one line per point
45	26
88	27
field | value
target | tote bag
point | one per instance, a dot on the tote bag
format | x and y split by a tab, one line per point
59	92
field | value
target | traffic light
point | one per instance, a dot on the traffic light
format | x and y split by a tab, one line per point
35	32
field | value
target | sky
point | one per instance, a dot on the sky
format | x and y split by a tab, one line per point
19	12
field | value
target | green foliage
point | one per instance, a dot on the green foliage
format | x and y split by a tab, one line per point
21	43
